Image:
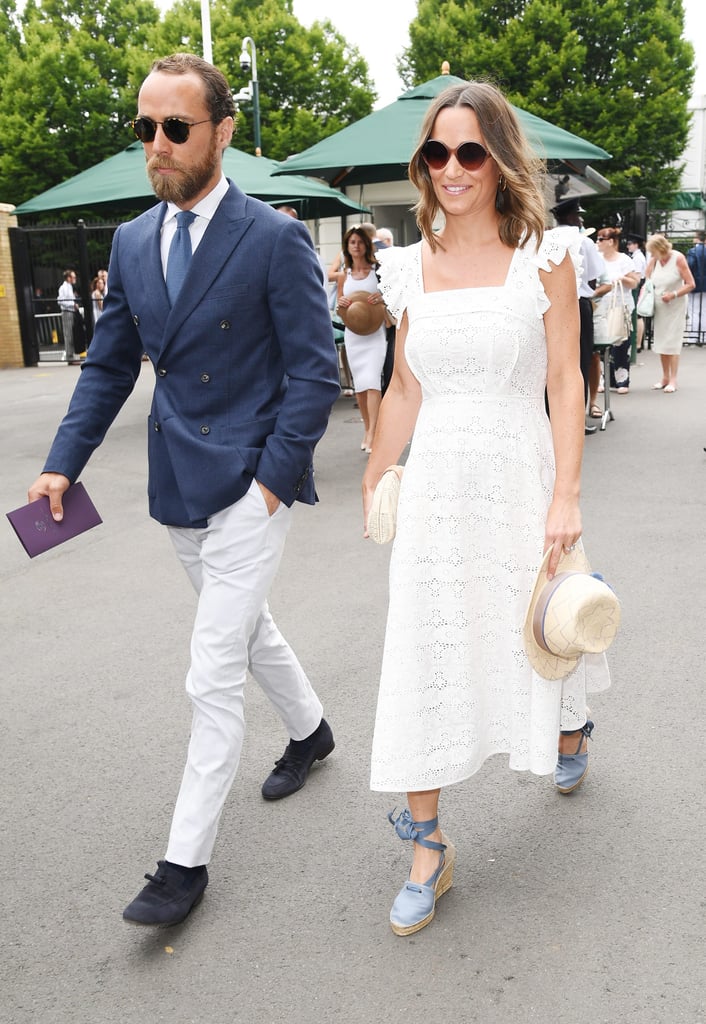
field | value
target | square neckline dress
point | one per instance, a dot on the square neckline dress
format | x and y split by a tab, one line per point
456	686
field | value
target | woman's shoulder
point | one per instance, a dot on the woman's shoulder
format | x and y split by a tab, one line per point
555	244
399	275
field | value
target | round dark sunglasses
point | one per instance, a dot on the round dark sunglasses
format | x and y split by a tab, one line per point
174	128
470	155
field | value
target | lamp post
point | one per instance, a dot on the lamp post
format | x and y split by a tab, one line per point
248	60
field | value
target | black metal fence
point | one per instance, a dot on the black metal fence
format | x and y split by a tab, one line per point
40	255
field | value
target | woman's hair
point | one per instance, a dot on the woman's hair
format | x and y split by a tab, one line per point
519	199
659	244
359	230
219	98
612	233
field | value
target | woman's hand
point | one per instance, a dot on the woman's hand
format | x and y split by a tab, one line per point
344	302
368	491
375	298
562	531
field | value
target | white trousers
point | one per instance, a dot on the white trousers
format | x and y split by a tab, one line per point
232	562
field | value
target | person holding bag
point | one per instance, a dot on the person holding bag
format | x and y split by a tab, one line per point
672	280
621	274
489	500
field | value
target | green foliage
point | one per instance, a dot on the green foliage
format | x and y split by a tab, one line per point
616	72
312	83
71	69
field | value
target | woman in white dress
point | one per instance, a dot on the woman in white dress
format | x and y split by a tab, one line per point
622	275
672	280
487	316
365	352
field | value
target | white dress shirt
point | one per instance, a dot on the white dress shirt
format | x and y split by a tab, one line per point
204	210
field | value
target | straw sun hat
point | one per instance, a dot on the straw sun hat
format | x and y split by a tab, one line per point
362	317
575	613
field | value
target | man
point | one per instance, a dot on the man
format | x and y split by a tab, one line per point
244	381
634	244
384	237
66	298
569	212
696	258
385	240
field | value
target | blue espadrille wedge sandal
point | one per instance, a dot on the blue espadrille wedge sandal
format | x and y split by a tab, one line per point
415	904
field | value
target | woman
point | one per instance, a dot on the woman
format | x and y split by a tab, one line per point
672	280
97	294
620	273
366	353
487	317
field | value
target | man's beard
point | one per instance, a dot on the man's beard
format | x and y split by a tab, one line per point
187	184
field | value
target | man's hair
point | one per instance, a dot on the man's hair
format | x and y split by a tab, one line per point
219	98
701	235
68	273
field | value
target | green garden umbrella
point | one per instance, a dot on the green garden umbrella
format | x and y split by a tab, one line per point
121	183
378	147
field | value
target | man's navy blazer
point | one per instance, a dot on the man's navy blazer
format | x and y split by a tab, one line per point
245	363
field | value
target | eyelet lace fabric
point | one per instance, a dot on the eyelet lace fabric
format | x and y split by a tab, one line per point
456	686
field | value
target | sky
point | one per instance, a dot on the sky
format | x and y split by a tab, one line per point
378	28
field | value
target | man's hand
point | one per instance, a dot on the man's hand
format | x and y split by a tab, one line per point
53	486
271	500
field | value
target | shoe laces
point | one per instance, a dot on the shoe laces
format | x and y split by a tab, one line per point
288	759
159	879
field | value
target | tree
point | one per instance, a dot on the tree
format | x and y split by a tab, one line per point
312	83
616	72
72	71
67	90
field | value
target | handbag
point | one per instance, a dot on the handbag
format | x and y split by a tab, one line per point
382	517
618	319
646	299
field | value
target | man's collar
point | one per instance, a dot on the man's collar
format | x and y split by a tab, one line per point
205	207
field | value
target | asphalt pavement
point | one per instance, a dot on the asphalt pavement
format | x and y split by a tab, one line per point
588	908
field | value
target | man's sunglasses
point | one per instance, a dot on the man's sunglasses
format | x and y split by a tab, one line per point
470	155
174	128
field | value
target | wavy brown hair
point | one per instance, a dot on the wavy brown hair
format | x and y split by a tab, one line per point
521	202
360	231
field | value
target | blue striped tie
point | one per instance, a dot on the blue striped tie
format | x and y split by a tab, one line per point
179	254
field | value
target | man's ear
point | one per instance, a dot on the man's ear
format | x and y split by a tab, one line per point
225	132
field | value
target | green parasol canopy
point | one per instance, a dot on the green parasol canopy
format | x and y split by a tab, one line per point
378	147
121	183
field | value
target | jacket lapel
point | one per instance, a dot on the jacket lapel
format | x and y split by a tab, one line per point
227	227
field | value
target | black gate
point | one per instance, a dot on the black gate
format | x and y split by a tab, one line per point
40	255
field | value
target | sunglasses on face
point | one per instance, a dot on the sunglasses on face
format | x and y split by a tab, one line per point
470	155
174	128
604	238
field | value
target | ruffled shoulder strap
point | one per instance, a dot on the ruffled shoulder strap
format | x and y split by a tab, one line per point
554	246
399	276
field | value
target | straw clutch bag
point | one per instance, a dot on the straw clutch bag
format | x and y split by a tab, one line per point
382	518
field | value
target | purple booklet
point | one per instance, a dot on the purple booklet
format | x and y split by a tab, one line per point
37	530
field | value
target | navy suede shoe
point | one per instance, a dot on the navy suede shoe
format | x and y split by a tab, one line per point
170	895
291	771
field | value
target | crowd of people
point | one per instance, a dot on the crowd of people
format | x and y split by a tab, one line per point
490	332
72	313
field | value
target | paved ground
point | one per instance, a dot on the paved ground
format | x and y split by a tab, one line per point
582	909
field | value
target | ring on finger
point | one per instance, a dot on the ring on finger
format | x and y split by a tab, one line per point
571	547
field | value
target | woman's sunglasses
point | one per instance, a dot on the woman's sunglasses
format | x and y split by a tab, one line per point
174	128
470	155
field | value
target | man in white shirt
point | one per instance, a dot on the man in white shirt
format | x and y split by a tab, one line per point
67	304
569	212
